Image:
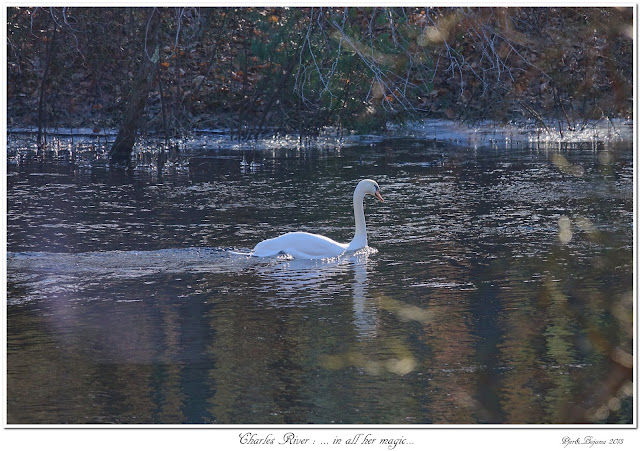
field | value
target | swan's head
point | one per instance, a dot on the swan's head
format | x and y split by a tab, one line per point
370	187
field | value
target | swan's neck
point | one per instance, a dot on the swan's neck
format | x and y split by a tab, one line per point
360	239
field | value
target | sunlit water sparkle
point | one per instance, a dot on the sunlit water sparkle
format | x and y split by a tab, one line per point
496	289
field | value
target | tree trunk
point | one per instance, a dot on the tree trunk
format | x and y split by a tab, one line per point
42	100
120	154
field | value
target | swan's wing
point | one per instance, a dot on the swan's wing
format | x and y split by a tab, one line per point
300	245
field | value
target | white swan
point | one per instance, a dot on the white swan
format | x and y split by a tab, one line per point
309	245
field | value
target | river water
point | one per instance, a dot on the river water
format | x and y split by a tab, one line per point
497	288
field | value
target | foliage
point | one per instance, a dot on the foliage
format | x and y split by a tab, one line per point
253	70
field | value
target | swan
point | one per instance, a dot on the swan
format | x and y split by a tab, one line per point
309	245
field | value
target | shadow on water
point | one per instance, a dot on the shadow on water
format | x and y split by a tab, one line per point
500	291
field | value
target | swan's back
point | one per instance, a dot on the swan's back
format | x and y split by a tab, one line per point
300	245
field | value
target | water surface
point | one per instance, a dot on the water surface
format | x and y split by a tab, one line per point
497	289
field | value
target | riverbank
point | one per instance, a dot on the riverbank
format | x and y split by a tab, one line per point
486	134
256	72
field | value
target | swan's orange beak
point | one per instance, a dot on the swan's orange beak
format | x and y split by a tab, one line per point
379	196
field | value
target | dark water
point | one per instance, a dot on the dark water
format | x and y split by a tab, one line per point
498	290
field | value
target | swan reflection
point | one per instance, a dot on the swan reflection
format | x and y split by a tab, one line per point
294	281
364	309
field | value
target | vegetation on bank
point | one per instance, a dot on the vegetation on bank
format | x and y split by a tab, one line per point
297	70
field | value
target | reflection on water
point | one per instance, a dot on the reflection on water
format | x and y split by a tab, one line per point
499	290
364	309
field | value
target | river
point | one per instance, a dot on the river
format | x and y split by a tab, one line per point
496	289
